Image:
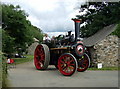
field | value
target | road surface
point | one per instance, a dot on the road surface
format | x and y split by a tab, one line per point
25	75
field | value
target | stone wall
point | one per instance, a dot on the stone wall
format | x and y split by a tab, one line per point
106	51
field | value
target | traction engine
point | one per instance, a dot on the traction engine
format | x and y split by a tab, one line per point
67	53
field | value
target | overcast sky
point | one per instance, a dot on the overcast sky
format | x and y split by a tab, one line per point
50	15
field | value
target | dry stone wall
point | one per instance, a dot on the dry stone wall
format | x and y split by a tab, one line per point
106	51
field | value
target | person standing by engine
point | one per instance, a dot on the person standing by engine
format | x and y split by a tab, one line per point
53	41
46	39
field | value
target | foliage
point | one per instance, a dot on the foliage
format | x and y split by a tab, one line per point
7	43
37	33
0	68
18	32
102	14
4	72
0	39
105	68
117	31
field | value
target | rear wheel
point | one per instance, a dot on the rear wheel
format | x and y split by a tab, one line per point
83	63
67	64
41	57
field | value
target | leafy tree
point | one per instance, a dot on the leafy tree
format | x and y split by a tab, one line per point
8	43
37	33
17	28
100	15
0	40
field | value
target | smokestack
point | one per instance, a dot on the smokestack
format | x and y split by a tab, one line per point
77	29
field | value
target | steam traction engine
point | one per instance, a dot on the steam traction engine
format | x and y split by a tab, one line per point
67	53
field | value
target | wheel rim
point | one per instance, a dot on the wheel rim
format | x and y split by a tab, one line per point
67	64
39	57
83	63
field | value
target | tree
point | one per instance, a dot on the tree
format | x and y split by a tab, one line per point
8	43
17	28
99	15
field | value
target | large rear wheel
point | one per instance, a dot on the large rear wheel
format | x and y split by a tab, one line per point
83	63
67	64
41	57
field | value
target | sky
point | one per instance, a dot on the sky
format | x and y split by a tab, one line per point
51	16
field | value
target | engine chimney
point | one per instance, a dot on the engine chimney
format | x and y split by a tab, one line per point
77	29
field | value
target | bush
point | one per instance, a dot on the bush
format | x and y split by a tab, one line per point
4	72
117	31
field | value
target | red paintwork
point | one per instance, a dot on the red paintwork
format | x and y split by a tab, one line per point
77	20
80	46
66	65
80	42
10	61
84	64
39	57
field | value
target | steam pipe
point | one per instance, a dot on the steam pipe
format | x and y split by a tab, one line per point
77	29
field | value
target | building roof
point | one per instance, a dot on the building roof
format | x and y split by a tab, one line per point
35	39
100	35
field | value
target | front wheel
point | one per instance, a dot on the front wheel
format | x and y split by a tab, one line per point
83	63
67	64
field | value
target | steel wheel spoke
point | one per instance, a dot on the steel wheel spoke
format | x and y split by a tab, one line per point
72	64
62	62
71	67
83	63
67	64
66	69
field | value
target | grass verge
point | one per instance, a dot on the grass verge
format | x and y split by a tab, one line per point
22	60
105	68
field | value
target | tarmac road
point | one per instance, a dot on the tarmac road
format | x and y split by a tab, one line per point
25	75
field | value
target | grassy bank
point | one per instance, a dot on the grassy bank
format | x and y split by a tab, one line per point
105	68
22	60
